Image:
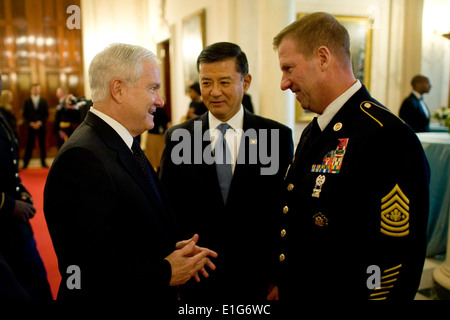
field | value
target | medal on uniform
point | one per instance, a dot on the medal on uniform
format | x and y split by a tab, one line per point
332	161
318	187
320	220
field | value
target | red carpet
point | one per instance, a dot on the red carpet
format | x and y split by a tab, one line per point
34	181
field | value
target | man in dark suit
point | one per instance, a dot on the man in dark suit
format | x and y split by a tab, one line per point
35	113
413	110
105	210
354	210
22	272
232	216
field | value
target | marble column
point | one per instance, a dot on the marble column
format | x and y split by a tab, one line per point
441	275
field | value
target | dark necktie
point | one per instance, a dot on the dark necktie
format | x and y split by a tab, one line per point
144	164
223	161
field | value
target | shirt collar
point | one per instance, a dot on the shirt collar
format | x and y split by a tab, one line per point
120	129
418	95
325	118
236	122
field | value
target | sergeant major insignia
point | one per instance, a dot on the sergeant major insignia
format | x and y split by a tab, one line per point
395	213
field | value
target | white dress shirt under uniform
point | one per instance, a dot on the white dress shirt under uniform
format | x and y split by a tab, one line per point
324	119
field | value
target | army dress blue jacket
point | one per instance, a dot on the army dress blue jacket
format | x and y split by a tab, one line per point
354	209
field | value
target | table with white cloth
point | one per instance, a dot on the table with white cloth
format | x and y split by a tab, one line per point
437	150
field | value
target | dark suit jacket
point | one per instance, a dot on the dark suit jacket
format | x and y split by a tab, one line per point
30	114
102	217
412	113
372	212
240	231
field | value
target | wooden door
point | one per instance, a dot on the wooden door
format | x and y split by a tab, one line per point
36	46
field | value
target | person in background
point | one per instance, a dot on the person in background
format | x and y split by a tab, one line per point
196	106
413	110
354	207
7	110
154	145
35	113
229	202
120	231
67	117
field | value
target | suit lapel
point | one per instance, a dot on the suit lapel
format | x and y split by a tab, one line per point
125	157
243	169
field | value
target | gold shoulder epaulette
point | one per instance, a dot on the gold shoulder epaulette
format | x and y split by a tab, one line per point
2	202
365	105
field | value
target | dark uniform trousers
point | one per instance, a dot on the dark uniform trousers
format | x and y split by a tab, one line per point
355	200
18	251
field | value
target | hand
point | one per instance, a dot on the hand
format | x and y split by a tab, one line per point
273	292
182	244
36	124
24	211
188	260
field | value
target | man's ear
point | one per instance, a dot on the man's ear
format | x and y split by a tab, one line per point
324	56
116	88
247	82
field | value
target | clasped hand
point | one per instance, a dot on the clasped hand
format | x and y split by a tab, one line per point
188	260
23	210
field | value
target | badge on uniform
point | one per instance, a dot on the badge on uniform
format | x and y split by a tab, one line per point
395	213
320	220
332	161
318	187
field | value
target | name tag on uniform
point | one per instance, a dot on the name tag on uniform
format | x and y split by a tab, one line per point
332	161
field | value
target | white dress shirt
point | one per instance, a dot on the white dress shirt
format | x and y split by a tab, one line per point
422	104
120	129
35	100
325	118
233	135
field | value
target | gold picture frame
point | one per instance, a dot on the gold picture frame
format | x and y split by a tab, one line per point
360	31
193	42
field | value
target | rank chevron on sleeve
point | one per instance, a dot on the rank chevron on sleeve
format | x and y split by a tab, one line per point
395	213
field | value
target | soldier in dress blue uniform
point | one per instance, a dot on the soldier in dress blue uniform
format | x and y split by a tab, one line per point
354	210
22	272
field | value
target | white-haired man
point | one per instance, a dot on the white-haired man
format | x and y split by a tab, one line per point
105	211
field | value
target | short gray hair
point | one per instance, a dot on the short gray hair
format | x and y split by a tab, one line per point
118	60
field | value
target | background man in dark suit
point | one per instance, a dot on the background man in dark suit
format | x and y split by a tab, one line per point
105	211
35	113
355	200
22	272
413	110
232	217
